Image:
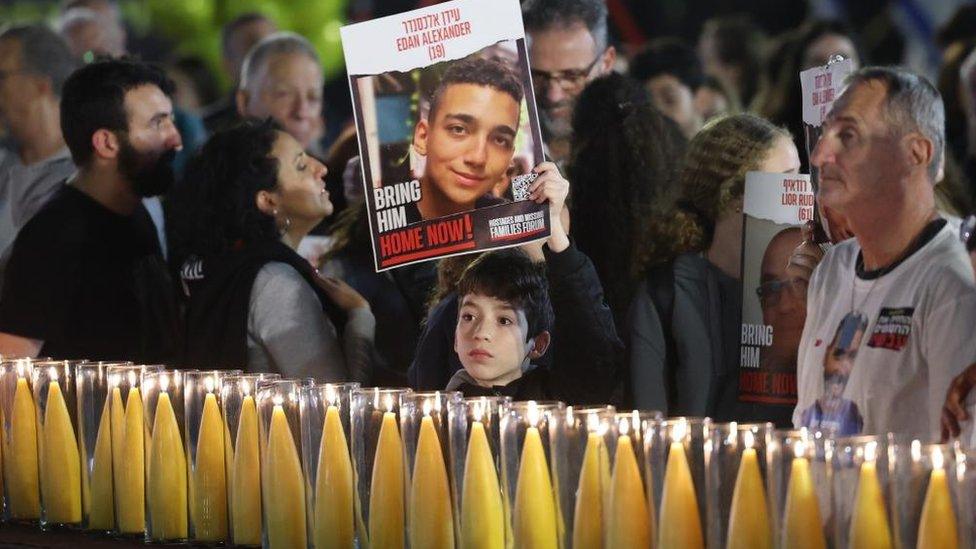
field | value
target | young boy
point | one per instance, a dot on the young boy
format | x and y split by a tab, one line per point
511	311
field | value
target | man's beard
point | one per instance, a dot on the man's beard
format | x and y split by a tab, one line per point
555	128
149	175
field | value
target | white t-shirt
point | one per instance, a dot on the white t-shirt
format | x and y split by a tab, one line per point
912	333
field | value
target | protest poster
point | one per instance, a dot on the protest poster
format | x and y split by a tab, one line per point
448	130
774	291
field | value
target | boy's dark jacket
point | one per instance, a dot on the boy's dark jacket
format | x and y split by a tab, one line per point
585	347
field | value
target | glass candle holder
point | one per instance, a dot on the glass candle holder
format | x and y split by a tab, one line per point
966	494
591	438
924	494
328	464
21	467
629	516
242	456
533	452
95	443
475	439
737	506
675	457
206	434
798	486
378	466
424	425
167	503
859	479
57	443
282	483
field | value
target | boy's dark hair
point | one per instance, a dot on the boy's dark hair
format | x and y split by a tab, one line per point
548	14
481	72
668	56
510	276
94	98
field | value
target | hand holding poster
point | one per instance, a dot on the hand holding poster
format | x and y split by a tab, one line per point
774	288
447	129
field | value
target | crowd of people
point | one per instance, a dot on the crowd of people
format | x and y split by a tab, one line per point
146	217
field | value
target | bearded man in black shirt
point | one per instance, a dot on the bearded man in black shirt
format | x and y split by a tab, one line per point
86	278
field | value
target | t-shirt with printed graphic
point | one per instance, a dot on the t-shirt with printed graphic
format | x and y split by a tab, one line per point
879	349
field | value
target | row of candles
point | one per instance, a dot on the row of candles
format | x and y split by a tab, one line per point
252	459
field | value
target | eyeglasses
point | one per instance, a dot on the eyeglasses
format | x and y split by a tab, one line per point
569	80
967	232
769	293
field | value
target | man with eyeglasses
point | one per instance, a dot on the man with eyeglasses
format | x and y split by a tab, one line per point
568	48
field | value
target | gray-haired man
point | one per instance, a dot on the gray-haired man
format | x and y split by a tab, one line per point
890	312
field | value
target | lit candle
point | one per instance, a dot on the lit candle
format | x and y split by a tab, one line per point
284	486
246	482
629	515
60	462
431	519
386	499
535	506
802	525
100	503
333	486
594	479
130	493
869	521
209	477
680	522
23	492
167	478
117	431
482	518
749	518
937	526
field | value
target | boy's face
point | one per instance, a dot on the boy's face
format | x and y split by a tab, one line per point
492	340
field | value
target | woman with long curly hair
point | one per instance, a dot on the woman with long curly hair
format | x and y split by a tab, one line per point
684	322
624	159
246	202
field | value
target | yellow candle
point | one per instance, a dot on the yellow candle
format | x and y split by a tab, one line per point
588	516
386	490
680	522
284	488
535	505
937	526
869	521
99	502
749	518
431	519
482	518
246	482
130	492
210	482
167	479
333	487
802	528
23	491
61	464
629	518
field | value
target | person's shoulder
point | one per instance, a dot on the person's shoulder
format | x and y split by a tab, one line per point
279	274
63	217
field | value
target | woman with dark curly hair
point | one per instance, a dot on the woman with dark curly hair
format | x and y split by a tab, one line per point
624	158
684	322
236	220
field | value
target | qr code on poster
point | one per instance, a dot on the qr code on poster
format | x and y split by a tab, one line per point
520	186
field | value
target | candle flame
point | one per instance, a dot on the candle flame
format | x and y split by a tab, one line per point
113	380
478	408
871	451
437	401
52	372
426	407
799	448
733	437
679	431
389	403
749	439
916	450
624	426
331	396
22	366
208	382
938	460
132	378
245	387
277	400
532	413
592	423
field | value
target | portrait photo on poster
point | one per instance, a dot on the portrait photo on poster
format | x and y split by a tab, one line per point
448	131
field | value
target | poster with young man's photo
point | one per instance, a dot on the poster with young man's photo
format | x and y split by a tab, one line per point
774	290
448	130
